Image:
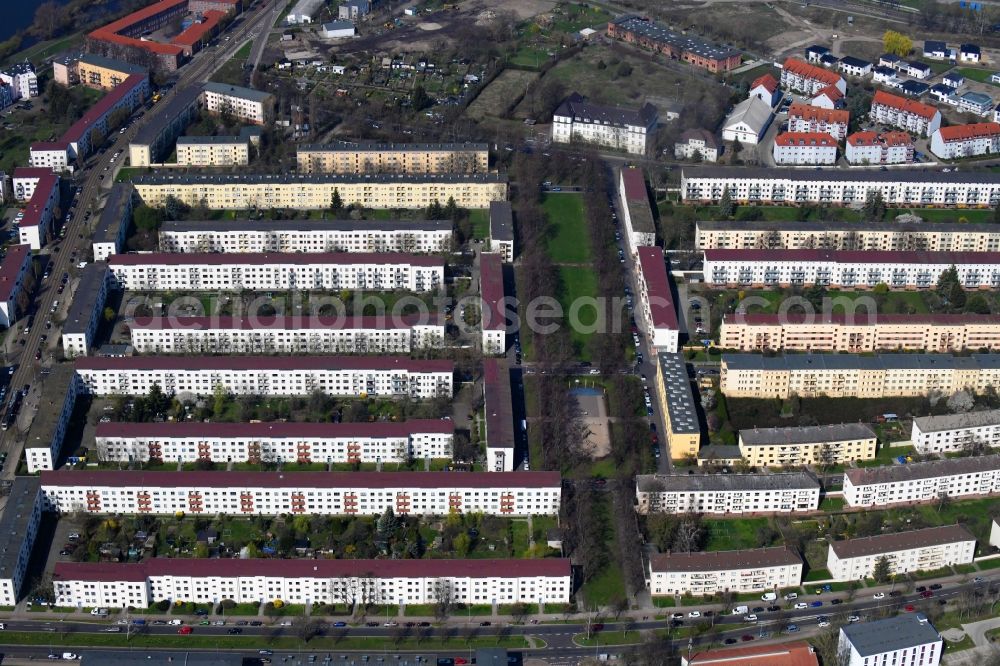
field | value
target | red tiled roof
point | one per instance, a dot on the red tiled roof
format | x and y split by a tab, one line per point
283	322
661	302
815	113
903	104
635	184
266	480
263	363
808	71
261	258
31	172
783	654
109	32
10	268
805	139
307	568
897	138
861	319
36	204
48	145
833	92
889	543
277	430
863	139
970	131
197	31
497	404
768	81
491	288
105	104
873	138
716	560
855	256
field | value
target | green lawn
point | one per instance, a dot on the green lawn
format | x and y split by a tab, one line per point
568	240
733	534
959	215
986	565
976	74
605	588
480	220
831	504
817	574
529	57
887	455
577	282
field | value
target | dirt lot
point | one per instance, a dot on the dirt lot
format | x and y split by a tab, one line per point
595	418
500	93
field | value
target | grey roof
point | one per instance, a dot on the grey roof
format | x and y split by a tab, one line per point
890	57
578	107
892	178
934	45
958	421
817	49
680	401
115	213
891	634
61	380
915	88
856	361
978	98
699	133
839	432
501	221
660	33
723	560
923	470
368	146
112	63
167	178
205	226
83	308
153	658
206	140
686	483
719	452
780	225
753	111
923	66
14	521
163	112
237	91
855	62
891	543
338	25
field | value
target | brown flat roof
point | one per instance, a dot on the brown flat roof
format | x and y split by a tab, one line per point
498	404
890	543
182	429
263	363
722	560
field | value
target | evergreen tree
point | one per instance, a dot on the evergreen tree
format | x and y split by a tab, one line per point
336	203
434	211
386	523
726	206
882	570
874	209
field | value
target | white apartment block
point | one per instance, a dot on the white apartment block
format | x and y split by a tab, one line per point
953	433
873	148
499	414
493	322
578	121
727	494
288	236
234	191
838	444
848	269
383	376
840	187
806	118
886	236
36	224
22	80
502	230
86	310
346	157
739	571
862	332
966	140
315	493
809	79
640	229
43	445
24	180
114	222
799	148
244	104
903	640
855	376
388	442
19	523
917	550
14	268
211	151
279	271
656	300
308	581
907	114
922	483
292	334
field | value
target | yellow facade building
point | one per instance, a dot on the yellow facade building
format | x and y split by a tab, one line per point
100	73
375	158
837	444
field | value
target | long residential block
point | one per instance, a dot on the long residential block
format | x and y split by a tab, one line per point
44	442
838	444
14	271
855	376
315	191
260	236
305	581
676	403
278	271
499	412
674	45
809	79
848	269
243	104
364	442
918	483
726	494
885	236
640	230
86	310
657	300
346	157
916	550
291	334
577	120
953	433
316	493
385	376
906	114
114	222
859	332
19	523
841	187
492	312
966	140
35	226
762	569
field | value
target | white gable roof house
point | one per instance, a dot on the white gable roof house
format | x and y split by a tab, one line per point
748	121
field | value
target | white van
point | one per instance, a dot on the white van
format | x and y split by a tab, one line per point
741	610
176	622
769	596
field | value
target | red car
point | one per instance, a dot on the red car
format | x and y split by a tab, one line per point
747	638
597	627
909	608
926	594
461	660
185	630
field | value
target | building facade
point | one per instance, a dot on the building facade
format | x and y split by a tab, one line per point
101	73
742	571
86	310
499	413
36	224
244	104
114	222
676	402
954	433
502	230
873	148
660	39
839	444
656	300
906	114
628	130
15	268
917	550
807	118
904	640
798	148
922	483
412	158
727	494
958	141
640	230
809	79
278	271
19	523
210	151
387	376
492	308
